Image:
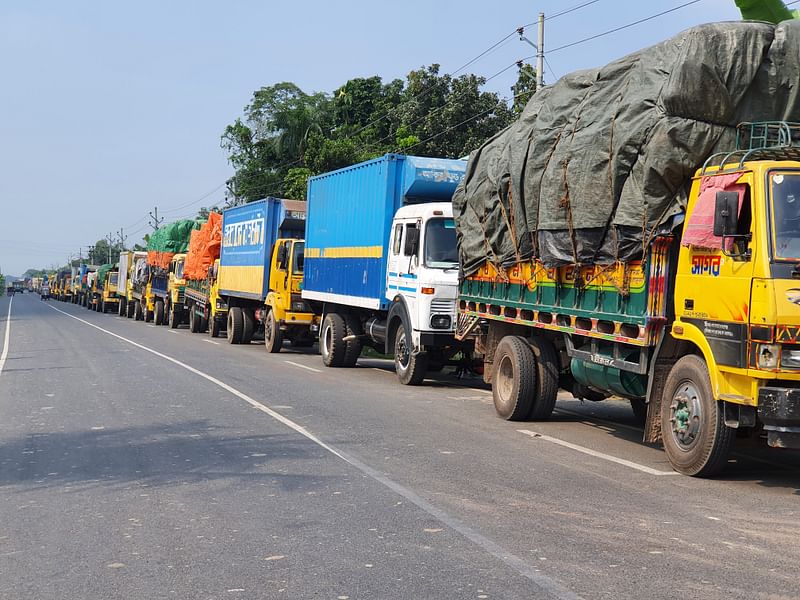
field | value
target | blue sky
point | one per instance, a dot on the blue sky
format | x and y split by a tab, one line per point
111	108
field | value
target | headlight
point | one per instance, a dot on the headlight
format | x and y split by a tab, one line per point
767	356
790	357
441	321
299	307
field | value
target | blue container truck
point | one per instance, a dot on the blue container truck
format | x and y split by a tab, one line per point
381	262
260	273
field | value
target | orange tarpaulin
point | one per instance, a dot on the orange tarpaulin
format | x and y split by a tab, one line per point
204	246
159	259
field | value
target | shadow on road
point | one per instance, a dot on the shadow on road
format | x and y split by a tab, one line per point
157	455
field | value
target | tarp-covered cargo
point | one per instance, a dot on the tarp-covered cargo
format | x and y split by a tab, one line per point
204	246
599	162
168	240
102	270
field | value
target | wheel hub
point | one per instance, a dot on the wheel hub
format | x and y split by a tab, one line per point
403	353
686	415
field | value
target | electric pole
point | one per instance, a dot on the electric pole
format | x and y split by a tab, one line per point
91	254
122	239
109	241
540	54
156	222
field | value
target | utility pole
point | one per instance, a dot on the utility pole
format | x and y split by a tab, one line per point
122	239
540	54
156	222
109	241
91	254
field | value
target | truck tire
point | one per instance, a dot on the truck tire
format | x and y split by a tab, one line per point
235	325
331	340
122	307
354	347
194	320
148	314
130	309
410	368
248	325
696	439
174	317
203	326
213	327
159	312
514	378
546	387
273	336
137	311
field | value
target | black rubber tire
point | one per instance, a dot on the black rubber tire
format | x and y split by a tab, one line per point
122	306
353	348
203	326
331	340
138	311
513	378
102	306
194	320
235	325
546	388
416	365
707	453
174	318
248	325
130	309
158	312
639	407
273	336
213	327
148	314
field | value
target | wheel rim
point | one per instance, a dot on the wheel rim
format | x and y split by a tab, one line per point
402	351
504	379
268	329
686	415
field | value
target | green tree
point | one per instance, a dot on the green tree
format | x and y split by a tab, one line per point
295	183
525	87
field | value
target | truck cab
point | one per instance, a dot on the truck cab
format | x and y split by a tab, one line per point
108	296
286	314
176	288
422	276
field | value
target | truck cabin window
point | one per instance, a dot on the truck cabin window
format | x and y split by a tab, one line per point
179	270
112	278
298	257
398	238
785	197
441	251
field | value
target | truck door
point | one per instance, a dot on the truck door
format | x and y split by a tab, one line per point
401	276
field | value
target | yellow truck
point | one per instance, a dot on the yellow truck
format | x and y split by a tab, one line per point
168	293
202	302
108	300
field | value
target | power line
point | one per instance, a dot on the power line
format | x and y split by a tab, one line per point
621	27
200	199
566	11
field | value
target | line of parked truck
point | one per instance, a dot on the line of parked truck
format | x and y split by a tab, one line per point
705	343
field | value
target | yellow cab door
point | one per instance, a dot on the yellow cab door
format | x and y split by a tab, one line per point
712	286
280	276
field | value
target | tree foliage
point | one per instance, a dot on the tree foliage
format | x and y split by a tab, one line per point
285	134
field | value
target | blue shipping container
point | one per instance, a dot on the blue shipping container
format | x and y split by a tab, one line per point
248	235
350	213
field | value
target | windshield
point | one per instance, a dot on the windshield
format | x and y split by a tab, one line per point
179	270
298	256
440	244
112	278
785	196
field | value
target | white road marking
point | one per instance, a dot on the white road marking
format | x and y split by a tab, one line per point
379	370
547	585
7	335
172	331
289	362
596	454
211	342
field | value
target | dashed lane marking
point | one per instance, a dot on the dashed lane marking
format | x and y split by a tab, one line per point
596	454
6	336
289	362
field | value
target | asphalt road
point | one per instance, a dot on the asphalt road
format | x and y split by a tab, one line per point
139	462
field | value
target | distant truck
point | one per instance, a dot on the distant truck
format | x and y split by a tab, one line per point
168	289
260	273
381	265
206	310
128	304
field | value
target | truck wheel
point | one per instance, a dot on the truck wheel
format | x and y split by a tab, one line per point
546	388
130	309
410	368
514	378
331	340
235	325
696	439
194	320
159	312
353	348
248	325
122	307
273	336
213	327
203	326
174	317
148	314
138	312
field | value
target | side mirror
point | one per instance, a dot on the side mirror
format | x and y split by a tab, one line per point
726	213
281	257
412	241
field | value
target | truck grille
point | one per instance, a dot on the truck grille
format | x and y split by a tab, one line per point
443	307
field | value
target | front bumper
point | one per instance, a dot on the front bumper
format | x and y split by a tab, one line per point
779	412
